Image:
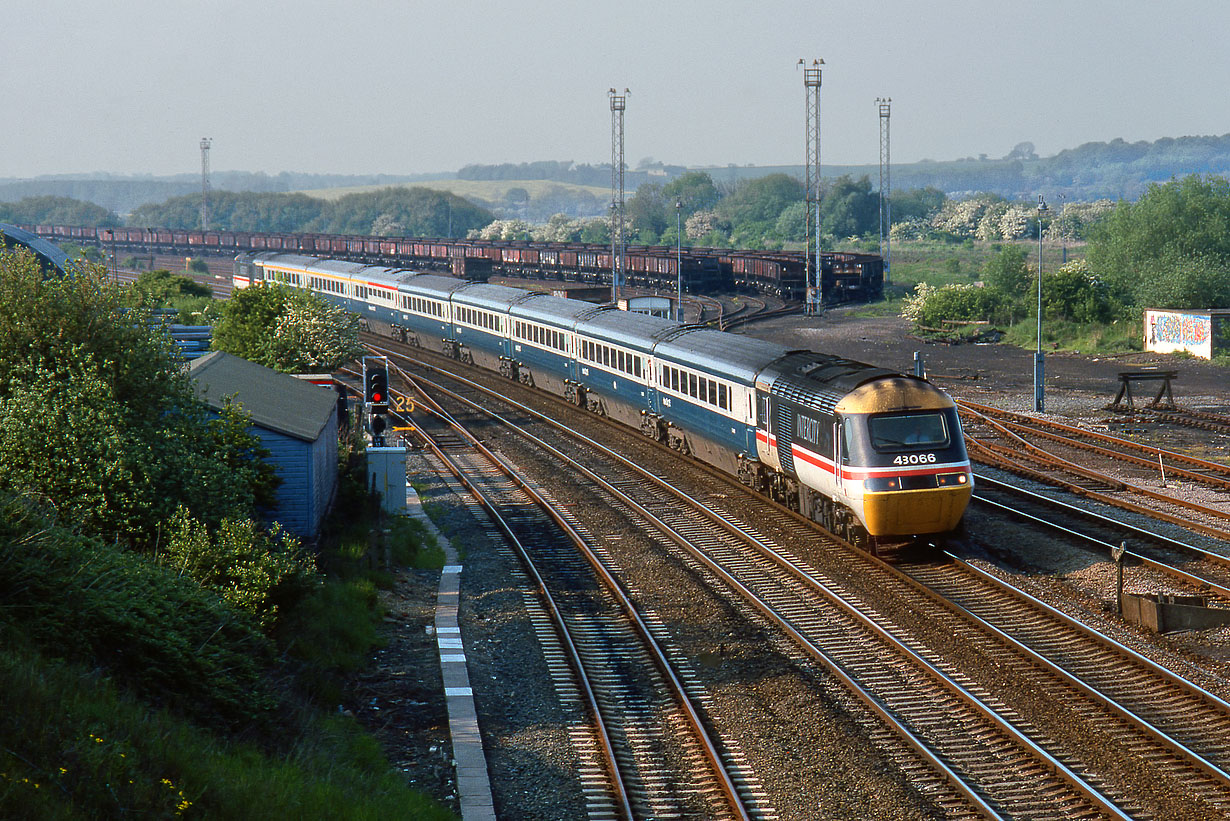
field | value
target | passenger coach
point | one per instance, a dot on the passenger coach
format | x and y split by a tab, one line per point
863	450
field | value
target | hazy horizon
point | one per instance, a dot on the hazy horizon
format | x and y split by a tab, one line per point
375	87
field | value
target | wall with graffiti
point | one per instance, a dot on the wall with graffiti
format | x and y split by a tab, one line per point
1196	333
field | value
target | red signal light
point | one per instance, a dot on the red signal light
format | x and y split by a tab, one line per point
376	389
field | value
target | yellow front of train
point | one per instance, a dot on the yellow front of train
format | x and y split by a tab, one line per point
904	468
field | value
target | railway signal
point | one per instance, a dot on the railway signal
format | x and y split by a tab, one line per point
376	383
376	395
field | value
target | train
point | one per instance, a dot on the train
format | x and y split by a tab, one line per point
846	277
871	454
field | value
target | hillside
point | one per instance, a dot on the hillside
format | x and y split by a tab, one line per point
1093	171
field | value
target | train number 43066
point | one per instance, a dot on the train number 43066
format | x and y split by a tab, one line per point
914	459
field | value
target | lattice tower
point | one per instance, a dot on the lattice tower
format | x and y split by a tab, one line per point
618	104
886	189
206	142
811	87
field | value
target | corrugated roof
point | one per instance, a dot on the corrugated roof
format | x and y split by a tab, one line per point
721	352
432	285
275	400
45	250
555	309
484	295
626	328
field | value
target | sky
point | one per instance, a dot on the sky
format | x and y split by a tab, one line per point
418	86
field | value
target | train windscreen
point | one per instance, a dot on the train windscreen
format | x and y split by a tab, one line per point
908	432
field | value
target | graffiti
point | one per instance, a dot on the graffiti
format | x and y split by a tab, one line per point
1181	329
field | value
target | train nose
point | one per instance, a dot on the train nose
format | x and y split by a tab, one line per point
909	512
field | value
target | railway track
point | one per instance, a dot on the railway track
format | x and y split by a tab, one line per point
977	682
659	758
1204	420
1010	441
1186	567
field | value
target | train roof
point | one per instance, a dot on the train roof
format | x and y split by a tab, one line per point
433	285
720	352
298	260
492	297
639	331
555	310
819	380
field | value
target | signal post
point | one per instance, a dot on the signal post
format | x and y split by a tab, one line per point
386	466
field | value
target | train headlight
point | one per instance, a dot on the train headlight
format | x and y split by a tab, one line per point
951	479
881	484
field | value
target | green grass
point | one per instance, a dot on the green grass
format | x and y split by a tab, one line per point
1117	337
74	746
886	307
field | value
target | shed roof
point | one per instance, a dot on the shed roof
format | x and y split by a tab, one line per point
48	252
276	401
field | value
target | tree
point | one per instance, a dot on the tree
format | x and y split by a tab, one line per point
1022	151
791	224
156	289
1172	244
97	415
760	200
646	210
917	203
694	190
286	329
1007	272
51	210
516	200
849	208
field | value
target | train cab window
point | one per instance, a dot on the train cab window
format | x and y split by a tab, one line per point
908	432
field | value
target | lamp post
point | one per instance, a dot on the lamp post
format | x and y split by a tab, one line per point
115	273
1039	363
1063	226
679	260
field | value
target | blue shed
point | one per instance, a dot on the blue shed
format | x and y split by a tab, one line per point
295	420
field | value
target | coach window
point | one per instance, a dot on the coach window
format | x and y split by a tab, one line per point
636	367
723	397
704	390
674	379
692	391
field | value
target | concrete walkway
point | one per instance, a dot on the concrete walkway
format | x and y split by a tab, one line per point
473	783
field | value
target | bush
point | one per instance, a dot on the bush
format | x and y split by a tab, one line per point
1074	293
961	303
255	570
163	636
